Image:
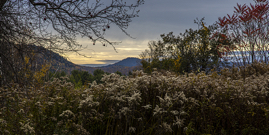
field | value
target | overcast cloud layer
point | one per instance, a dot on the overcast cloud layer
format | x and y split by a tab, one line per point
156	17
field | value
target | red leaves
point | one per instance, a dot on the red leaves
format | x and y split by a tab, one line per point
260	0
223	36
240	8
252	12
222	21
225	21
248	21
224	41
220	55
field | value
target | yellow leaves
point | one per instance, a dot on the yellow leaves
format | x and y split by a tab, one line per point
26	60
205	28
252	113
40	74
177	61
36	75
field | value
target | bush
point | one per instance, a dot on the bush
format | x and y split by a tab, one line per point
234	102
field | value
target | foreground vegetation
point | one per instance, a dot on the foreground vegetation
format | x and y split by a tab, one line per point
234	102
184	96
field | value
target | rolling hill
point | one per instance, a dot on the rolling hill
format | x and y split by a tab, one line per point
129	62
123	66
59	63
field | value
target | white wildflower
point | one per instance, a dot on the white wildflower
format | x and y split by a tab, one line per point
166	100
166	127
21	111
147	106
38	103
248	102
53	118
157	109
121	98
3	122
88	102
178	122
185	129
27	128
132	129
175	112
139	119
192	100
134	98
50	103
93	83
124	110
67	114
183	113
182	96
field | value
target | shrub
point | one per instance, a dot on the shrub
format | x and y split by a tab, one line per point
233	102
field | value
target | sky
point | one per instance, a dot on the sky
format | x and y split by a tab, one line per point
156	17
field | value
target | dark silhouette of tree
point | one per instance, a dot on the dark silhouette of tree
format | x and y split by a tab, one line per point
58	75
55	25
80	78
98	75
119	73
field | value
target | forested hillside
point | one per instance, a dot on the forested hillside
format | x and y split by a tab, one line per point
60	63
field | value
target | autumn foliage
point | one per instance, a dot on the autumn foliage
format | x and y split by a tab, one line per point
247	31
151	102
155	104
192	51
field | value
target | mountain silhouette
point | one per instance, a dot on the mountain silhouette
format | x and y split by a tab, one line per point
128	62
59	63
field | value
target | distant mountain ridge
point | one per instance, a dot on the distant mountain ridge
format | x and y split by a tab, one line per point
94	65
128	62
59	63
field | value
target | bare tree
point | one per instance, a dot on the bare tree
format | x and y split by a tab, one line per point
55	25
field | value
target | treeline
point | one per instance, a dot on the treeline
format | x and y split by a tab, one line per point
80	78
191	51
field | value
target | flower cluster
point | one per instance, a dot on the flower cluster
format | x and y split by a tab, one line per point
157	103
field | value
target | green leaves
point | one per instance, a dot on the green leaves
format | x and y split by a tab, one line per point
187	52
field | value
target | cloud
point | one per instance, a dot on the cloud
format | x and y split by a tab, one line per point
130	49
155	18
